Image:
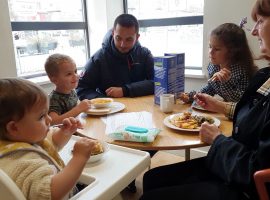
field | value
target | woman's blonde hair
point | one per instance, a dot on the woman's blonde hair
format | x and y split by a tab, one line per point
17	97
261	7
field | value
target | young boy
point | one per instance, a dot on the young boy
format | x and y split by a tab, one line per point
28	148
62	71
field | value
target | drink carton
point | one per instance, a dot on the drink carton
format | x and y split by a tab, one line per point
169	74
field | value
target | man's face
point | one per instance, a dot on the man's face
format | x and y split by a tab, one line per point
124	38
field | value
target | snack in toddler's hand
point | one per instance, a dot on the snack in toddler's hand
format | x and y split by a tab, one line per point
97	149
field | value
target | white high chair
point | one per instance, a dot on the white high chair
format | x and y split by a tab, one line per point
8	189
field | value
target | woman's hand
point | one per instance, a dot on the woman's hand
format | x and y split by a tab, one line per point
210	103
208	132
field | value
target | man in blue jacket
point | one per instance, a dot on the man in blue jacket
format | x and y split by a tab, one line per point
122	67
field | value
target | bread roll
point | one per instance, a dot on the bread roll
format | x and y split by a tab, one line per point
97	149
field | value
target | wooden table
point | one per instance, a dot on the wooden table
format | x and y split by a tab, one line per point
168	139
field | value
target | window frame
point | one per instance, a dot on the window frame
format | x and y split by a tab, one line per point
47	26
189	20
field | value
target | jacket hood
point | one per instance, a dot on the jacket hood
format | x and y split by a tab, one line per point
108	45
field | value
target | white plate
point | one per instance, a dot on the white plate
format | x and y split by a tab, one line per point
167	123
114	107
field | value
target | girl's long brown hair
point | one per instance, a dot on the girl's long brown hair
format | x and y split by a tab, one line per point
235	40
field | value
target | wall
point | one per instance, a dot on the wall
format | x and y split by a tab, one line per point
101	15
8	65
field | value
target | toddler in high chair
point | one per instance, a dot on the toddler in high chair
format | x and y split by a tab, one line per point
64	102
28	146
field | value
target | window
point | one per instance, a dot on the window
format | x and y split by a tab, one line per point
171	26
41	28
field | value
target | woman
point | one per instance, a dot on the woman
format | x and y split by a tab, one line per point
227	171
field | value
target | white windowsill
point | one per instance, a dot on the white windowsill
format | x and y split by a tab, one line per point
189	73
41	80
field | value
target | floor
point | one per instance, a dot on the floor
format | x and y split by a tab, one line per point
160	158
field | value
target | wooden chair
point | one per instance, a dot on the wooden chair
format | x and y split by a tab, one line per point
261	177
8	189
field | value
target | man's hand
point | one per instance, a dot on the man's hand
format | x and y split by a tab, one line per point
115	92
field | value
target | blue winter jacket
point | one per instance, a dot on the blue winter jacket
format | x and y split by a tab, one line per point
108	67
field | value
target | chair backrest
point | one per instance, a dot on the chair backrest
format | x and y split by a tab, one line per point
8	189
261	177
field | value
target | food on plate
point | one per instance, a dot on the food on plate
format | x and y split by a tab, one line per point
101	100
97	149
187	97
188	121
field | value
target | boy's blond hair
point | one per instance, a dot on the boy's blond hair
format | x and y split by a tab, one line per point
17	97
53	61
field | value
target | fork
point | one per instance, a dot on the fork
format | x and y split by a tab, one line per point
190	110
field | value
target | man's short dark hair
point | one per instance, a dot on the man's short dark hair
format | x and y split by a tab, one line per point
127	20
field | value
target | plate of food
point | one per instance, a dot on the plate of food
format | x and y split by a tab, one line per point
112	108
188	121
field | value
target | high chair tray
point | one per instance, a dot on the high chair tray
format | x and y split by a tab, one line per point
110	175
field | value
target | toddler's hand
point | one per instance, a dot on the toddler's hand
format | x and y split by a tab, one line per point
83	147
70	125
84	105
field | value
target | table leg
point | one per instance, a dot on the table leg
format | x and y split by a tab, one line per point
187	154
